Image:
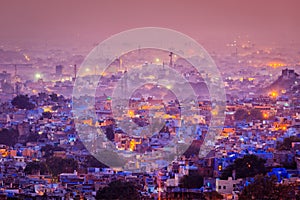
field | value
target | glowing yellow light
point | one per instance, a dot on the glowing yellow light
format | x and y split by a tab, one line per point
214	112
87	69
88	121
157	60
265	115
132	145
169	87
38	75
276	64
131	113
47	109
274	94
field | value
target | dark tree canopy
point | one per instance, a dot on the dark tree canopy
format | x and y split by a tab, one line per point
249	115
53	97
266	188
248	166
213	195
191	181
119	190
255	114
9	137
60	165
240	114
287	143
43	96
35	167
22	102
109	132
33	137
47	115
91	161
49	149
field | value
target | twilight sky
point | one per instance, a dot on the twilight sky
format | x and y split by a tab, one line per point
78	21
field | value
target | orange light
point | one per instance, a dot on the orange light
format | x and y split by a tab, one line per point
132	145
276	64
131	113
274	94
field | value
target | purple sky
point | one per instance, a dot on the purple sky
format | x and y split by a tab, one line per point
265	21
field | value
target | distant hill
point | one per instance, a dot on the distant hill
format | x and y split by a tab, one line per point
284	82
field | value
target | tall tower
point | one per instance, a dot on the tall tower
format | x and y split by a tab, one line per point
75	71
124	85
171	59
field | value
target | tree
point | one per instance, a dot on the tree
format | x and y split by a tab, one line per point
255	114
91	161
119	190
109	132
266	188
240	114
47	115
287	143
32	137
213	195
191	181
49	149
9	137
22	102
43	96
249	115
60	165
35	167
248	166
53	97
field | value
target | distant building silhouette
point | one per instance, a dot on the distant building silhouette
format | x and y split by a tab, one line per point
58	70
289	73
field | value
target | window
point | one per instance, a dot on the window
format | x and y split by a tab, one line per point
219	187
233	185
224	187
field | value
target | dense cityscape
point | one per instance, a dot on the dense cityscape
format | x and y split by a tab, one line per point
49	151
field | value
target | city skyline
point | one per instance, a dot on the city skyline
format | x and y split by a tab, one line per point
150	100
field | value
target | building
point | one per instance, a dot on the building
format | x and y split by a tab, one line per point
58	70
227	186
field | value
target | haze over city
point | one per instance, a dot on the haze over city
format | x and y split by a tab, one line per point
160	100
211	23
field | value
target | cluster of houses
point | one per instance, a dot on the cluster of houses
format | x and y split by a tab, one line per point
51	123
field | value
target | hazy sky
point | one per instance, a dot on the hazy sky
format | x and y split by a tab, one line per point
265	21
